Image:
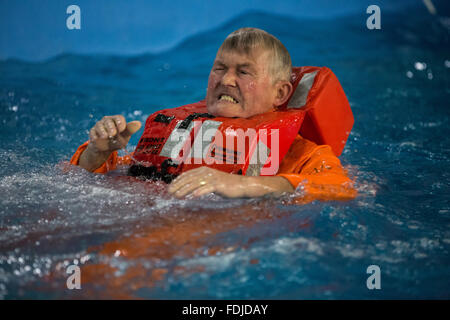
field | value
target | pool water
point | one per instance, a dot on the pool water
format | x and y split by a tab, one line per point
131	239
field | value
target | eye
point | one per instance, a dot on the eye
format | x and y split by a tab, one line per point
244	72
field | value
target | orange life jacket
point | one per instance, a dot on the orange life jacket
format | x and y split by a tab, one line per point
180	139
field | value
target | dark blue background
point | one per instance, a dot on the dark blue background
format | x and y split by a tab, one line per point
36	30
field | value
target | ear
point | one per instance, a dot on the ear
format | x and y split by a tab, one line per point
283	92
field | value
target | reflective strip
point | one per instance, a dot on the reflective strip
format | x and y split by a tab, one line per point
176	141
258	160
199	142
300	95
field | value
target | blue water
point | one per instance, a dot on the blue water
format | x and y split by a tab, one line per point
397	82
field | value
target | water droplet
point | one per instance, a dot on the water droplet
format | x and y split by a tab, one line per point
420	66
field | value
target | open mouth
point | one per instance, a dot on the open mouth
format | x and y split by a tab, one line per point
225	97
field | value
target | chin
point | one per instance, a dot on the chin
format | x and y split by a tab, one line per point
226	111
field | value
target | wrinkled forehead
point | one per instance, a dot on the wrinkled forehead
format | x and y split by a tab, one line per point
257	56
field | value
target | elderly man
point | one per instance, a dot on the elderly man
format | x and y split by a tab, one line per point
250	76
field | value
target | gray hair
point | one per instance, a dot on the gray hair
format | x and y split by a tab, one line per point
244	40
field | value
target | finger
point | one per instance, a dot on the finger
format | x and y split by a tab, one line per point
189	188
209	188
182	177
101	131
121	123
132	128
93	134
174	187
187	177
110	127
198	177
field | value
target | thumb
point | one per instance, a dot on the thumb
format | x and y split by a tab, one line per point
132	128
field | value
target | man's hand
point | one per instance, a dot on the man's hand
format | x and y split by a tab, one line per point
107	135
205	180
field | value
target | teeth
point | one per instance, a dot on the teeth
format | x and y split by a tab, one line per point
227	98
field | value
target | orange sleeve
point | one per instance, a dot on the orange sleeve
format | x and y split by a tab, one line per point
317	171
110	164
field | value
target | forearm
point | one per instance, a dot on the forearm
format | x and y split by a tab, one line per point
260	186
92	159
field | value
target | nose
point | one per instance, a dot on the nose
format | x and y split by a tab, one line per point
229	78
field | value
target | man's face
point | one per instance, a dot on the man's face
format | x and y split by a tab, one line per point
240	85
